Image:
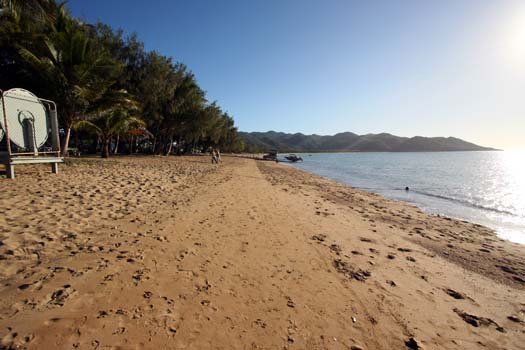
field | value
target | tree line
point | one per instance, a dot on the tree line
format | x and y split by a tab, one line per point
112	95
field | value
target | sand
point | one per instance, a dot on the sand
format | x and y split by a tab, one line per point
177	253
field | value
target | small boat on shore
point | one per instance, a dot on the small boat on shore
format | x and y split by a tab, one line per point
293	158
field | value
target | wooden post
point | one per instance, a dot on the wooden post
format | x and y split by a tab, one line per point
54	168
10	170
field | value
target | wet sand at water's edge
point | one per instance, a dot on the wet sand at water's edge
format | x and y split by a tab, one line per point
177	253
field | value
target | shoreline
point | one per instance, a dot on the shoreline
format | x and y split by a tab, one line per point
174	252
508	224
497	231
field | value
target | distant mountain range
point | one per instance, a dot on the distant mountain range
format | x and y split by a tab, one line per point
350	142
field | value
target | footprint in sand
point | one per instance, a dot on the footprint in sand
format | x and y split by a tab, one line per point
319	237
350	272
12	340
336	248
404	250
477	321
59	297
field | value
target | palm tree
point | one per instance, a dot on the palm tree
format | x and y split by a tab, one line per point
74	70
184	106
35	8
25	17
108	125
23	23
88	71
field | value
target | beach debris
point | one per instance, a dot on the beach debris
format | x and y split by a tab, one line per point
354	320
413	344
391	283
319	237
478	321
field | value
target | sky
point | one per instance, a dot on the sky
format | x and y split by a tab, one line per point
406	67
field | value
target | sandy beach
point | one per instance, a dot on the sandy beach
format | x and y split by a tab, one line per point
177	253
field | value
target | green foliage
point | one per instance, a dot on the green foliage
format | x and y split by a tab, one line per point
107	85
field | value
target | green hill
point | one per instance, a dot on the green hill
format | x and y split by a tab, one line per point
350	142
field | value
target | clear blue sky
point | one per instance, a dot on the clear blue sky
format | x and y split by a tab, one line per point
407	67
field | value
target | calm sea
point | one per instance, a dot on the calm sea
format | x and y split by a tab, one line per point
482	187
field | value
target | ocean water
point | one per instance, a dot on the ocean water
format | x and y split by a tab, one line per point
487	188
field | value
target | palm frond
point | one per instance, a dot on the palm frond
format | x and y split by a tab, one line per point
88	126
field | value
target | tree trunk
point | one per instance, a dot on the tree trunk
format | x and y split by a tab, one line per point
105	147
161	145
115	151
131	145
170	146
154	145
65	141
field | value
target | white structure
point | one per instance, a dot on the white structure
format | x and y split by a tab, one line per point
26	122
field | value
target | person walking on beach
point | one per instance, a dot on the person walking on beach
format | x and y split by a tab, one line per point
214	159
